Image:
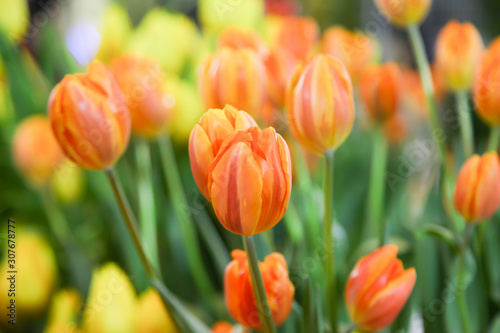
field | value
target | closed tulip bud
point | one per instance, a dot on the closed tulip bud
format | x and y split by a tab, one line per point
236	77
238	290
90	118
152	316
142	83
225	327
486	91
320	104
458	50
380	89
280	65
111	293
115	29
206	140
403	13
63	313
377	289
239	38
36	151
477	192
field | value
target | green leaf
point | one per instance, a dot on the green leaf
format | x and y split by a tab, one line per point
440	233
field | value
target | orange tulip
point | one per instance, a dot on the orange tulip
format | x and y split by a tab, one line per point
320	103
395	129
458	50
236	77
380	89
403	13
36	151
207	136
486	90
477	192
89	117
250	181
297	34
355	49
224	327
238	38
280	65
141	81
238	290
377	289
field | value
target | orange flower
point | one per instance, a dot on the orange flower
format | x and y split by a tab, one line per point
250	181
141	81
414	99
238	290
458	50
395	129
355	49
486	90
403	13
477	192
89	117
224	327
320	103
380	89
238	38
236	77
36	152
377	289
280	65
207	136
296	34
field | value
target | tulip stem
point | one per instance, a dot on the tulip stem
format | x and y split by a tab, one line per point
494	138
465	120
259	289
461	281
329	259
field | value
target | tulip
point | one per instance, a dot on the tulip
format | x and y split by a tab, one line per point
250	180
236	77
377	289
458	50
111	293
115	29
89	118
282	7
280	65
413	94
404	13
142	83
14	19
395	129
151	314
68	182
238	291
63	313
486	91
320	104
225	327
477	192
238	38
215	15
37	153
206	140
380	89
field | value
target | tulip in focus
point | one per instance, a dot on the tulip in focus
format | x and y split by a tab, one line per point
458	50
486	91
63	313
115	29
320	104
477	192
403	13
151	314
377	289
89	117
238	290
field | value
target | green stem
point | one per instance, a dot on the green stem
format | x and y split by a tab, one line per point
461	283
464	116
57	222
331	290
259	289
494	139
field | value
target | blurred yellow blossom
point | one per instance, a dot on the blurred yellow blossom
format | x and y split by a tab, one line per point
152	317
63	312
114	30
215	15
68	182
14	18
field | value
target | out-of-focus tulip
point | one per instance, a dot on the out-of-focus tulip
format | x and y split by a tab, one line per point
225	327
395	129
14	19
111	293
152	317
68	182
207	137
142	83
90	118
320	104
250	180
215	15
280	65
239	295
413	94
167	38
355	49
380	90
115	29
238	38
486	91
236	77
403	13
36	151
377	289
282	7
63	313
458	50
477	192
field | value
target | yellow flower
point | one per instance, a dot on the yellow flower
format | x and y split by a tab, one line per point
63	312
115	29
151	314
216	15
68	182
14	18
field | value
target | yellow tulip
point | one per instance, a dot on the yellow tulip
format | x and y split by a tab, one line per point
63	312
68	182
14	18
152	316
114	30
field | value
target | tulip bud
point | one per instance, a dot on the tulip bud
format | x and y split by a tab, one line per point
403	13
380	89
238	290
225	327
250	180
14	19
115	29
68	182
37	153
377	289
477	192
280	65
206	139
486	91
458	50
111	293
89	118
151	314
239	38
236	77
63	313
320	104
